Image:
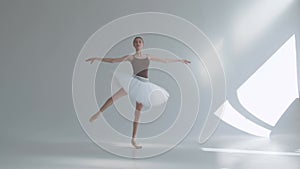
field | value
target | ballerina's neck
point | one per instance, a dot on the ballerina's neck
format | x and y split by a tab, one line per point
140	56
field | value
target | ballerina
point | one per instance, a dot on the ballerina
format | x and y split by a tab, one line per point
139	88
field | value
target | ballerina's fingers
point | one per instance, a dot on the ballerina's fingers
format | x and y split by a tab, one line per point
91	60
186	61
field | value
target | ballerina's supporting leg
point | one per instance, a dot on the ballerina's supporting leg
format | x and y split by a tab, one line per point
137	115
120	93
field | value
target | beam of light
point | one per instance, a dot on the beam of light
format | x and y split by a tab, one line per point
251	22
231	116
243	151
273	87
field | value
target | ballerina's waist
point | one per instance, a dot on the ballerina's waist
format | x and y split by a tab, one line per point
141	78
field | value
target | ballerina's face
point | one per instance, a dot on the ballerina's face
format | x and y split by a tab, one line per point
138	44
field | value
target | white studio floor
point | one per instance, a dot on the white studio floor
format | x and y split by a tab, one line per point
236	152
228	148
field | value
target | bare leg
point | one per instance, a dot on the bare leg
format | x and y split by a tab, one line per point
108	103
137	114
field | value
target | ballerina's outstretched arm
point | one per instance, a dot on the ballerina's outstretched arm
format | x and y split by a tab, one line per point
168	60
109	60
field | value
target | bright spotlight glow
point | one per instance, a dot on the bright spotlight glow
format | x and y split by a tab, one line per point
273	87
231	116
252	21
241	151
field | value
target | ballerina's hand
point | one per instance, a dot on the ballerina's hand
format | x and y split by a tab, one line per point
185	61
91	60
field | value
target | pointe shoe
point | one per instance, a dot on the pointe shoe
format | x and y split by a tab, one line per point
134	145
94	117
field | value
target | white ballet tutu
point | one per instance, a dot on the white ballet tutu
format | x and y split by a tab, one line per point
141	90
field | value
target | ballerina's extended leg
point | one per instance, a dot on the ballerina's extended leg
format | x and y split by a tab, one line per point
120	93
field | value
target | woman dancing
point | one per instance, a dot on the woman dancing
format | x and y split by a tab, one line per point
139	88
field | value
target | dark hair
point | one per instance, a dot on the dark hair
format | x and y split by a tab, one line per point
138	37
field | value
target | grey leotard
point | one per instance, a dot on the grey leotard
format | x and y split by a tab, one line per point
140	66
